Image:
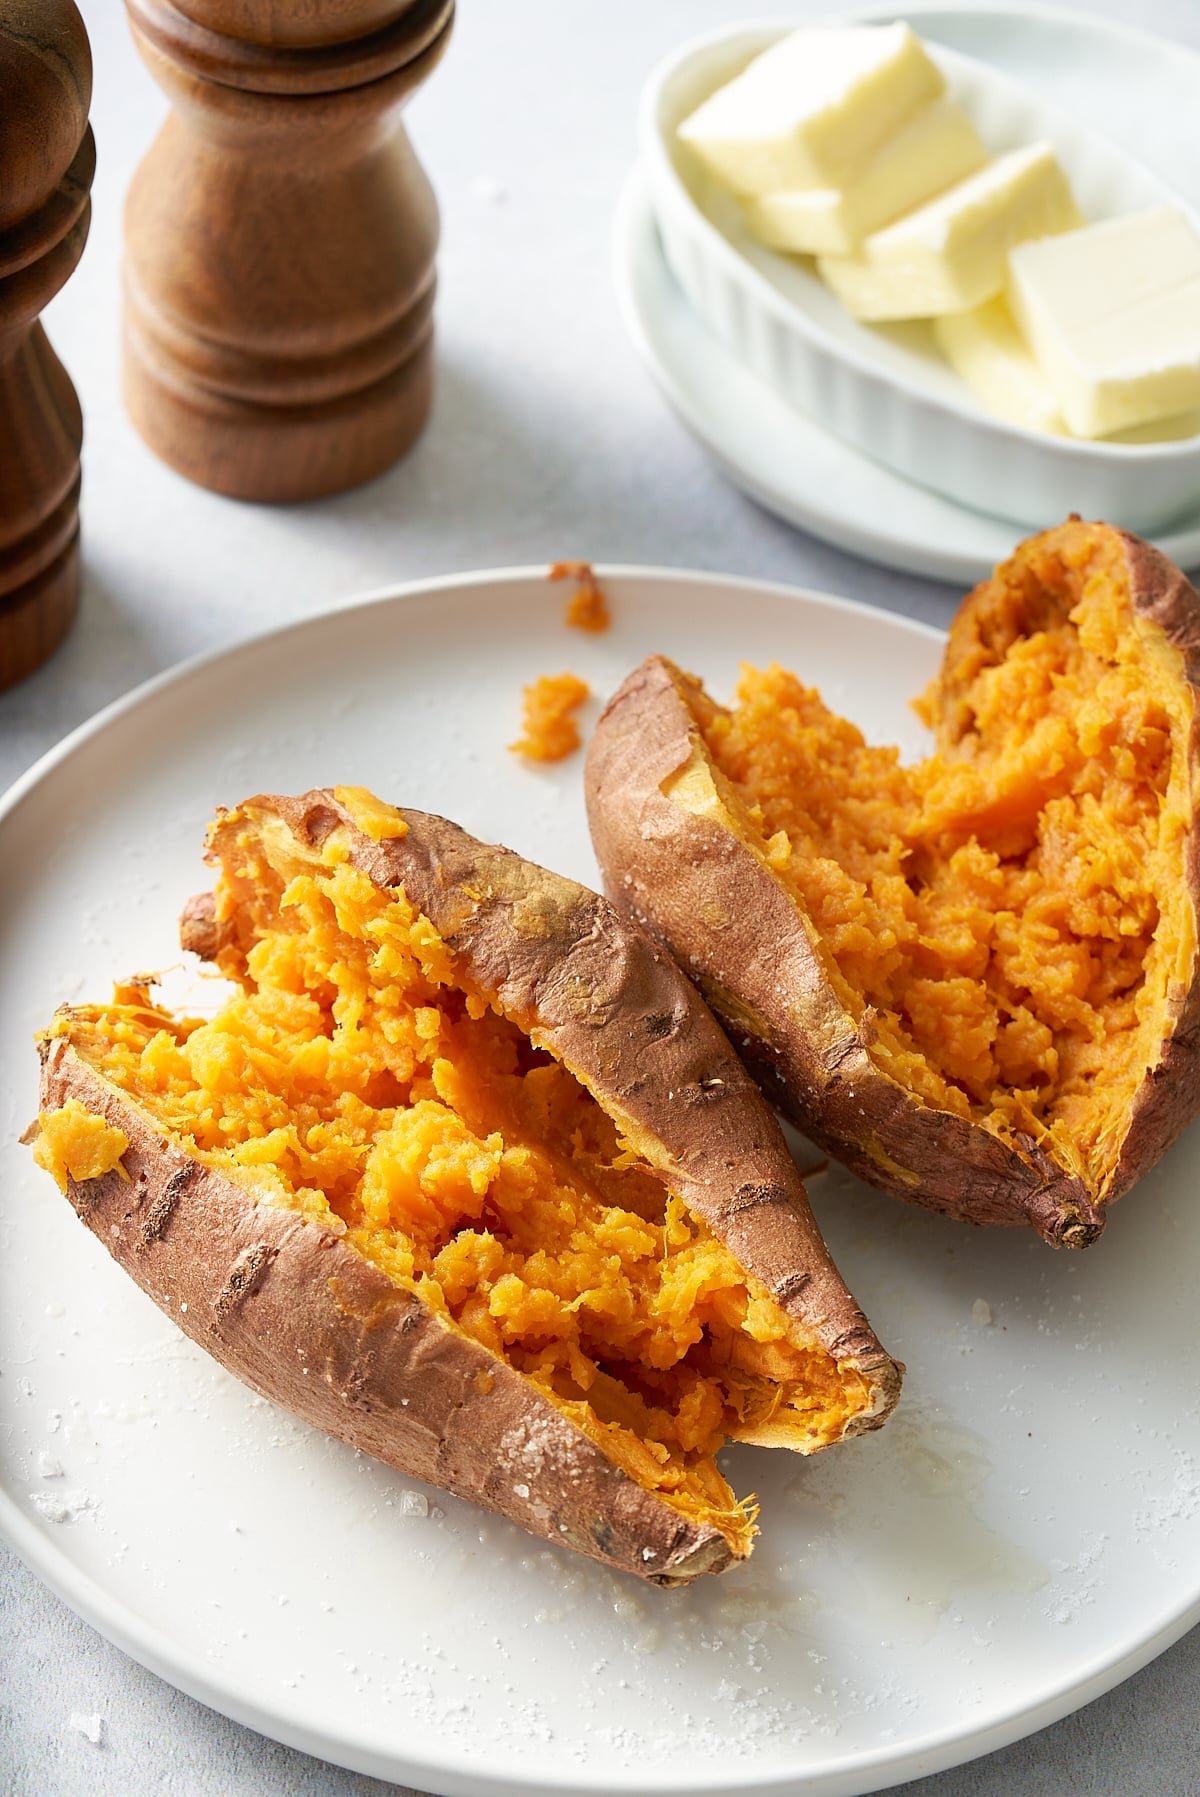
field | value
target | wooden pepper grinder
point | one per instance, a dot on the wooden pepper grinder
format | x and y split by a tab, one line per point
279	242
47	160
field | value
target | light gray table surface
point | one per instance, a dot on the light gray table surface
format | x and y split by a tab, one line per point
548	439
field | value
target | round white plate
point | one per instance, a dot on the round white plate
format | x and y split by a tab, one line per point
1141	92
1024	1533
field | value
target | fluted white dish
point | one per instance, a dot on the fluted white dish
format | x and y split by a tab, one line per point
886	390
781	458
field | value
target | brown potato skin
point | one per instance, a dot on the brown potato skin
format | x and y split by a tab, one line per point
310	1325
729	921
286	1306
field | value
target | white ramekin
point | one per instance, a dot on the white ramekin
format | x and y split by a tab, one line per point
886	390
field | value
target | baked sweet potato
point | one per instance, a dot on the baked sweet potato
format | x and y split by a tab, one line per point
464	1172
974	980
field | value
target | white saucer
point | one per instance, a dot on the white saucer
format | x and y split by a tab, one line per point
1099	72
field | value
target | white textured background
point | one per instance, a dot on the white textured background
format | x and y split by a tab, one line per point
548	440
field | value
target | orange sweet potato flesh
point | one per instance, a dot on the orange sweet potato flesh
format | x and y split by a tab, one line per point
974	979
463	1171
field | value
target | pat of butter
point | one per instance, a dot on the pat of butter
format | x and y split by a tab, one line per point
811	110
987	352
952	253
1112	313
937	147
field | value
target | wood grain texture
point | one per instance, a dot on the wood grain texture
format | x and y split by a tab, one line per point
48	158
280	239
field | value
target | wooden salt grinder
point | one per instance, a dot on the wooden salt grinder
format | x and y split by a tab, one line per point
47	159
279	242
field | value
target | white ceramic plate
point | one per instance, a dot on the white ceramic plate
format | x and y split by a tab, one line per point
1138	90
1022	1534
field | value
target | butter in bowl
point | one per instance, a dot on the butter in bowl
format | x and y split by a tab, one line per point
935	266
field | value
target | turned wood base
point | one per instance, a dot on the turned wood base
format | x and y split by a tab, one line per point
275	453
280	237
41	429
35	618
49	159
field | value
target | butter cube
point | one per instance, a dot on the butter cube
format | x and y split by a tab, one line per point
952	253
1112	313
937	147
987	351
811	110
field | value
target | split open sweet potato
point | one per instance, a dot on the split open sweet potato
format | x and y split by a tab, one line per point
463	1171
973	979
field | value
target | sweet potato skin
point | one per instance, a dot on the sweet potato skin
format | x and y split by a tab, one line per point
609	1003
309	1324
689	878
287	1307
1165	601
727	918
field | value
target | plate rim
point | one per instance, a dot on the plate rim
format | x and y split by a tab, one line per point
145	1642
1100	25
360	601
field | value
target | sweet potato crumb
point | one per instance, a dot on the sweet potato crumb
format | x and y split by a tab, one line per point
72	1143
548	731
587	608
381	822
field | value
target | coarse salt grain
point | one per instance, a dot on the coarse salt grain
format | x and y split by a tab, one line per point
413	1503
90	1727
67	1507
